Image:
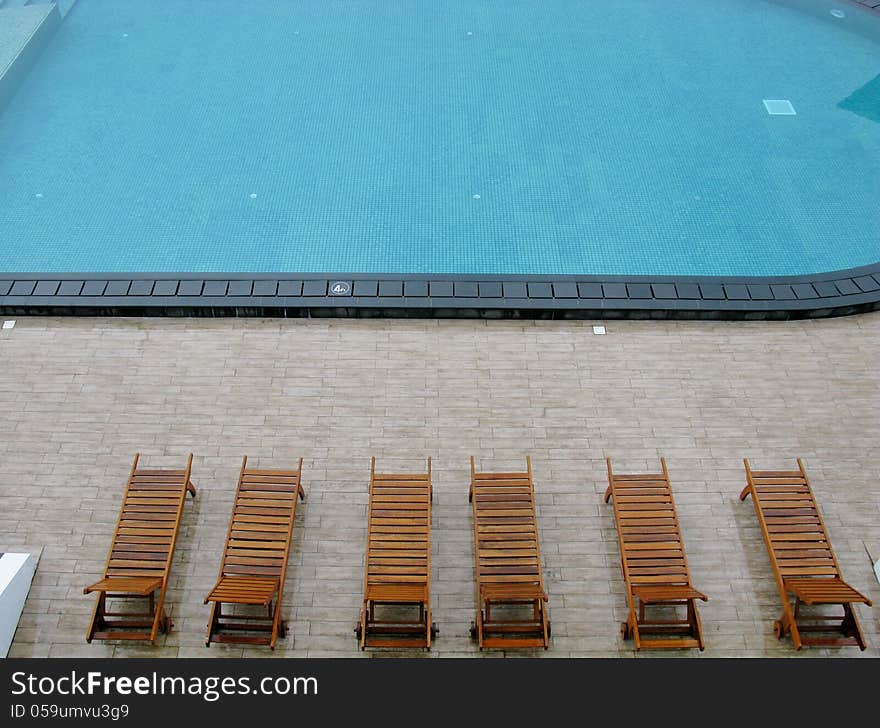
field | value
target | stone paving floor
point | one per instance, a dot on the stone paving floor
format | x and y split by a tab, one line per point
80	396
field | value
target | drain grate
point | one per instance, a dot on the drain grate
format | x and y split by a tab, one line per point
779	107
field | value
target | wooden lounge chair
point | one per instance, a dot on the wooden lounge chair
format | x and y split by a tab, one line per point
397	572
802	559
254	560
141	553
655	568
507	554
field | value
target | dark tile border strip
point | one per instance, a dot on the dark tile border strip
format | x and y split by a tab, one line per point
839	293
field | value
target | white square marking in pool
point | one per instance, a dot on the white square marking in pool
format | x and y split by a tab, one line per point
779	107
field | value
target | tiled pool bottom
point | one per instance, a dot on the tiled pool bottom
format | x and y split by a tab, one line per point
393	136
81	395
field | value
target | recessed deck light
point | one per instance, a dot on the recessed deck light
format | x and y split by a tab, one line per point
599	330
9	324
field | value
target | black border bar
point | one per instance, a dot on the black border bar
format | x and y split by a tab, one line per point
856	290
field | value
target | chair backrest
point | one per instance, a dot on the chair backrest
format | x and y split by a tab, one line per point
399	528
790	521
651	548
149	520
261	525
508	549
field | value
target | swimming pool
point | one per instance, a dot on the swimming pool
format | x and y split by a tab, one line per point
561	138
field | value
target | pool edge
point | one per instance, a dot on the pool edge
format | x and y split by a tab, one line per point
837	293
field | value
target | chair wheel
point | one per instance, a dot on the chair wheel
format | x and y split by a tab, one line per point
624	630
777	629
434	630
549	630
357	630
473	631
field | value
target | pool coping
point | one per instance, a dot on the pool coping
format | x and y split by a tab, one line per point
838	293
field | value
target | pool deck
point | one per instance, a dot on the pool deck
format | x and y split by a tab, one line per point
81	395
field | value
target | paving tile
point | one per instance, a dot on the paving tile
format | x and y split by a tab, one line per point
290	288
688	290
22	288
590	290
141	288
366	288
847	287
441	289
639	290
514	290
117	288
161	288
565	289
46	288
392	289
540	290
241	288
760	292
265	288
415	289
215	288
867	283
664	290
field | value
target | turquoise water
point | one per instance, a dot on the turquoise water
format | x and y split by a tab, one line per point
451	136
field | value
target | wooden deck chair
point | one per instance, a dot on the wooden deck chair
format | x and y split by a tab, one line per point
397	570
141	553
254	562
803	561
507	556
655	568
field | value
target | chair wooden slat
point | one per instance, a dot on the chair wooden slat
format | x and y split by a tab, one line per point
803	561
141	553
254	563
655	568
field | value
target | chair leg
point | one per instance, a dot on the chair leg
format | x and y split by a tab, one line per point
851	626
160	618
427	613
696	626
97	616
212	622
545	624
276	620
786	624
364	625
634	623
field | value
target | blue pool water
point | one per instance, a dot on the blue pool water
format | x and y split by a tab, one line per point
451	136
